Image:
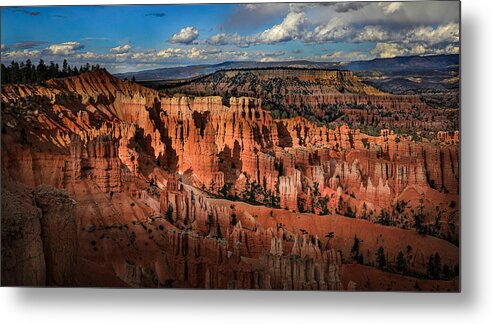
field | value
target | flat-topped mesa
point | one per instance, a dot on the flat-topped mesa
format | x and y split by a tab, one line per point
337	81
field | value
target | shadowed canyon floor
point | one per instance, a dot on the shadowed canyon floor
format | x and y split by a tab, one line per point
109	183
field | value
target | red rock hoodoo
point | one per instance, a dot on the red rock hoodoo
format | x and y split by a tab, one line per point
154	190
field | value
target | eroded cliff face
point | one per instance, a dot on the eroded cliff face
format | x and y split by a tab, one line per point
324	95
58	234
23	262
39	236
152	178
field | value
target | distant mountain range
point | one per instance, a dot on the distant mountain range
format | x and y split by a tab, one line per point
401	65
407	63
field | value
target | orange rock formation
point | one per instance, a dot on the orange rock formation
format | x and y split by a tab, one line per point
188	192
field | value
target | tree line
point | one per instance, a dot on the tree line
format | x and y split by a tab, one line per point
29	73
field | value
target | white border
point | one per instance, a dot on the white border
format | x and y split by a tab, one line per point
473	305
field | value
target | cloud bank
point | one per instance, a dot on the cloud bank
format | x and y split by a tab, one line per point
341	31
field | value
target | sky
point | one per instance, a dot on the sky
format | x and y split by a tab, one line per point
141	37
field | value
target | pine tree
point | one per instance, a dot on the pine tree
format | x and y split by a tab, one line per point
65	68
22	73
15	75
5	78
434	266
384	218
381	258
355	250
28	73
32	74
401	262
52	71
446	271
41	72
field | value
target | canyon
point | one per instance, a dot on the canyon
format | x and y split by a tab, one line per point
108	183
322	95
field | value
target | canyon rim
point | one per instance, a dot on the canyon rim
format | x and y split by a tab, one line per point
285	146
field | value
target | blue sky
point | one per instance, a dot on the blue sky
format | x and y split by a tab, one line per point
130	38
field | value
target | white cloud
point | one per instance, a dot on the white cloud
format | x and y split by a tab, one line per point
254	14
445	33
387	50
89	56
343	56
372	34
228	39
448	33
395	28
420	40
352	56
121	49
171	52
349	6
269	56
185	36
195	53
337	23
291	28
66	48
21	55
452	49
336	29
390	7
